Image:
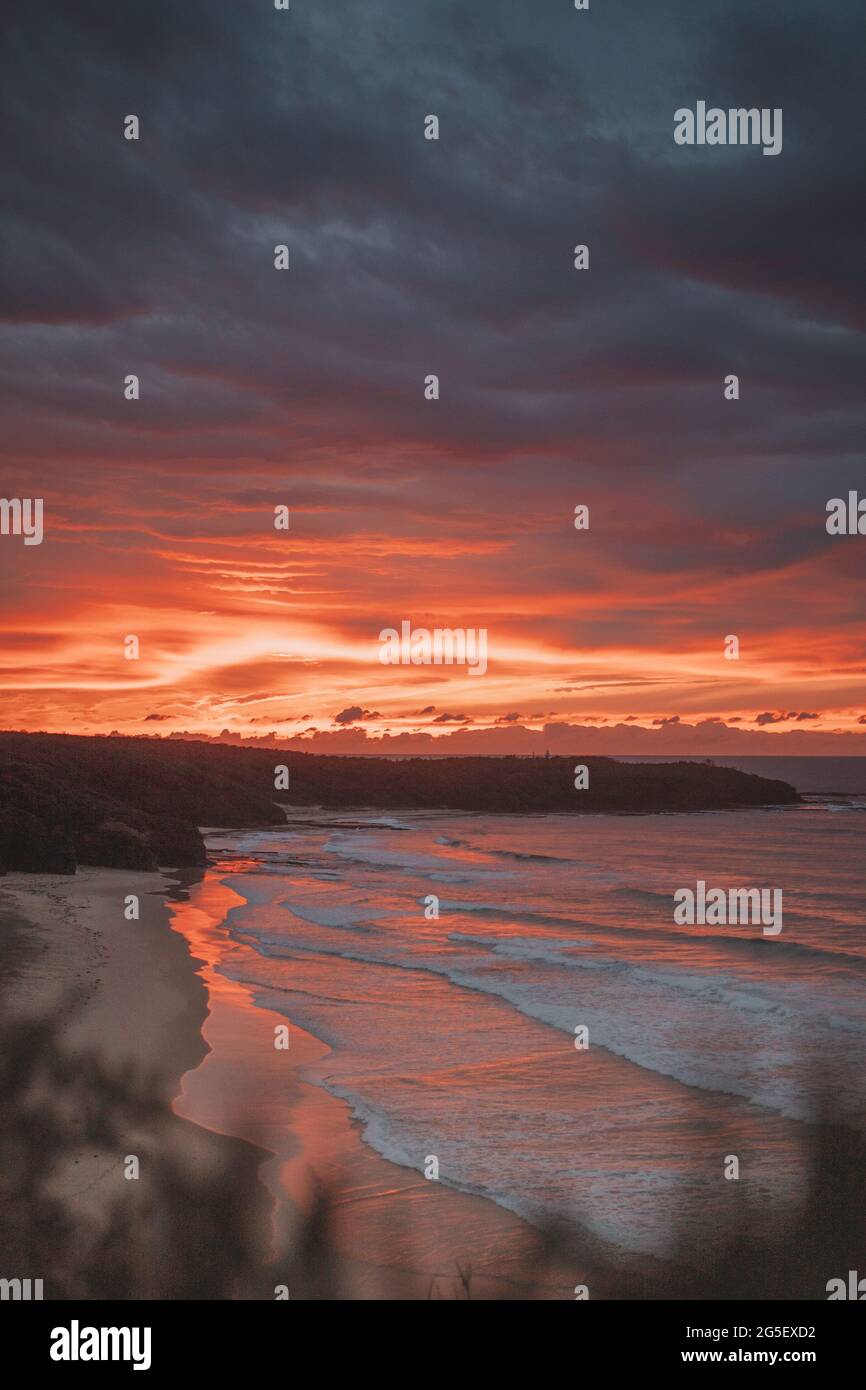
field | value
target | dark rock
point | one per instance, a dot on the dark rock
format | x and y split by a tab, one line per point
30	844
116	846
177	844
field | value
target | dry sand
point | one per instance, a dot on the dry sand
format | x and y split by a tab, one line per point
125	995
140	1000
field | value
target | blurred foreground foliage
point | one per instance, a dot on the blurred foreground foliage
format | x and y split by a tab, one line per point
197	1223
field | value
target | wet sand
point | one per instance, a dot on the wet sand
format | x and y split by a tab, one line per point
390	1231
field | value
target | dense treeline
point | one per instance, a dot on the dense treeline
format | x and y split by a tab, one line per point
138	802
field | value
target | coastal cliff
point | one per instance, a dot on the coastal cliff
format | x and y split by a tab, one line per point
137	802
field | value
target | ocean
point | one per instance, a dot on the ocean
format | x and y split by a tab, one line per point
453	1037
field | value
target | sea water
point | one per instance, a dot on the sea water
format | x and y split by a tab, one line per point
454	1036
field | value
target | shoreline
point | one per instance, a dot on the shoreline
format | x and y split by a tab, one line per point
320	1210
389	1232
277	1186
141	1001
142	996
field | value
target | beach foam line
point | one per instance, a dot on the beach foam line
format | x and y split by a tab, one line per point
393	1232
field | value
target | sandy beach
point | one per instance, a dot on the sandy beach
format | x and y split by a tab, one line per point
158	1141
139	998
125	1007
146	998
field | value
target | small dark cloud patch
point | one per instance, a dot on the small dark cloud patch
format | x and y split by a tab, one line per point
353	714
783	716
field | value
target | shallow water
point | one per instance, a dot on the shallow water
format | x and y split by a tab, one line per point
454	1037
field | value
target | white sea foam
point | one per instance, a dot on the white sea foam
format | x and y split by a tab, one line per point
679	1016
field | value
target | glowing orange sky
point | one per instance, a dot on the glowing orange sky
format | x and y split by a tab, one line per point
246	628
409	257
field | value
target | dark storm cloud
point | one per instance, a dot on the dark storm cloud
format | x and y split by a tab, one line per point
454	257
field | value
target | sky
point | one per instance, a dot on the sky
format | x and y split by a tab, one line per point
305	388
